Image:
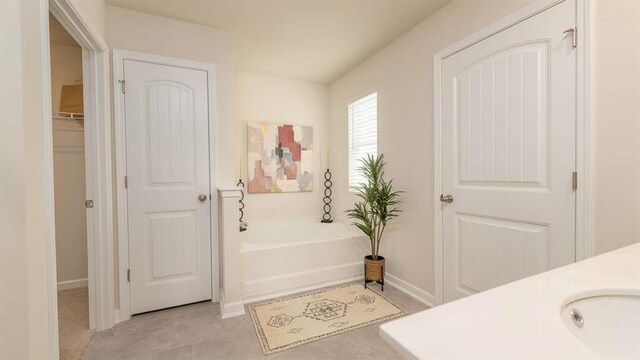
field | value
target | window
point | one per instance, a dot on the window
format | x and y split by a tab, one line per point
363	135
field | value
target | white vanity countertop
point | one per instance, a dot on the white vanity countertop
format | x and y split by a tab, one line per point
518	320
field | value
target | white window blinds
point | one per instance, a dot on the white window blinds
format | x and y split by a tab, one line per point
363	135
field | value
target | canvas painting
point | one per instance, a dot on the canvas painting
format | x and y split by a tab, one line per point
279	158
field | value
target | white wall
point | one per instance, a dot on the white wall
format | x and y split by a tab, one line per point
277	100
402	74
66	69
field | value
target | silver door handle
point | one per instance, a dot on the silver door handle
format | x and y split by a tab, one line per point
446	198
202	197
574	36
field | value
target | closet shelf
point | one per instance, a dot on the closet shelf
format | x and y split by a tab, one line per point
68	116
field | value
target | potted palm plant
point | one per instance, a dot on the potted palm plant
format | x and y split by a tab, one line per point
372	212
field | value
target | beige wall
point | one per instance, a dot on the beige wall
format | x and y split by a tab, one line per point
69	191
94	13
69	174
14	280
26	305
66	69
617	129
27	308
402	75
269	99
135	31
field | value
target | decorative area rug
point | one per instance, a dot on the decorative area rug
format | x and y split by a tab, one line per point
285	323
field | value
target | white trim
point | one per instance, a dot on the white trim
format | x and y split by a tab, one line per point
416	293
47	173
584	148
411	290
83	33
95	64
118	57
124	312
277	286
72	284
232	310
230	192
256	298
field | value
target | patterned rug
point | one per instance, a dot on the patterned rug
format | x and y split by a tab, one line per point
285	323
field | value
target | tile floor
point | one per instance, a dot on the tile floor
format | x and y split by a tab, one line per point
197	332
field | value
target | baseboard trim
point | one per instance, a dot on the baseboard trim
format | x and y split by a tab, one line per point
73	284
411	290
231	310
350	276
261	297
269	288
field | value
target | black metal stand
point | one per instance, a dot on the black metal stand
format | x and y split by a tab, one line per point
326	218
379	282
243	224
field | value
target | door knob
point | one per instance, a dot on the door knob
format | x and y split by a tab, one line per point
446	198
202	197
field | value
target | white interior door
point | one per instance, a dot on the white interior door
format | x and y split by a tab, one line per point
509	138
167	127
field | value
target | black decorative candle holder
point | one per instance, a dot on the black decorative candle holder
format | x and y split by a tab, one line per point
326	218
243	224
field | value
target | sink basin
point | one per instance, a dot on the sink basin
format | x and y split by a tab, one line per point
608	324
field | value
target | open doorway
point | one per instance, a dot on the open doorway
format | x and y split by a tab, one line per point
67	102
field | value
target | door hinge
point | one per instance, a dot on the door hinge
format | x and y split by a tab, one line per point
122	86
88	204
574	181
126	182
574	36
128	275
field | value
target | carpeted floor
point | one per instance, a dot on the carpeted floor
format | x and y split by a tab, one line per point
73	323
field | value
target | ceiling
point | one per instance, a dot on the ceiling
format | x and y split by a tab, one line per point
312	40
58	34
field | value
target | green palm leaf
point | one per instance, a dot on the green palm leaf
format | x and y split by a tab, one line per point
377	203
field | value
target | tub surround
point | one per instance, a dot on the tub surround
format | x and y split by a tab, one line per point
287	256
518	320
230	257
293	255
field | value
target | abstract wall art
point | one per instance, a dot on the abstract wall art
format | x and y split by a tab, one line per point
279	158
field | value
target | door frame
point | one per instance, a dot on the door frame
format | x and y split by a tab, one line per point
584	128
97	137
119	56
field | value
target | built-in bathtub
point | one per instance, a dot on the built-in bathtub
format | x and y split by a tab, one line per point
288	256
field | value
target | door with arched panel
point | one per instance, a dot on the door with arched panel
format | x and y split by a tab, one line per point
508	154
169	208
